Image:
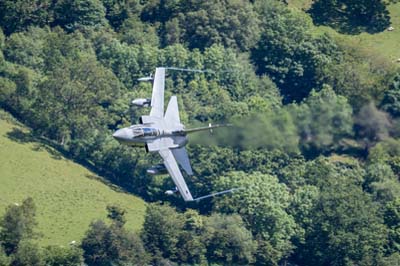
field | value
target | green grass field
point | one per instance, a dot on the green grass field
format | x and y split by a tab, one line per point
68	196
386	43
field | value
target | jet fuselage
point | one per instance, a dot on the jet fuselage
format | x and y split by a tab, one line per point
139	135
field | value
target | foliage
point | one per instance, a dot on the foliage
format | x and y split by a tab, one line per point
108	245
344	225
79	14
228	241
262	202
28	254
289	54
4	259
62	256
351	17
390	102
161	229
17	224
203	23
118	11
19	15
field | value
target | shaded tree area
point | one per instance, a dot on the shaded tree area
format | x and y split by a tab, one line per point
288	53
200	24
351	17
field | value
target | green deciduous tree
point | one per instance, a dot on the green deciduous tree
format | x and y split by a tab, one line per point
289	54
79	14
134	31
112	245
17	224
344	225
391	99
392	221
161	230
117	11
62	256
74	96
28	254
200	24
4	259
18	15
228	241
26	48
351	16
262	202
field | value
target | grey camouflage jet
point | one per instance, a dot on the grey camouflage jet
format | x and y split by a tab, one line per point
164	133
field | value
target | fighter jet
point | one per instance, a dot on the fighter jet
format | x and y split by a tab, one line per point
164	133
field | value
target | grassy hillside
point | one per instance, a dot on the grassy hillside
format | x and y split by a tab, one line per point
68	196
385	44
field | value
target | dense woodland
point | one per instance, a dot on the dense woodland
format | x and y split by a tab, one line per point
315	145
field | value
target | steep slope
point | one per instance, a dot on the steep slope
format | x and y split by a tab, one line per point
68	196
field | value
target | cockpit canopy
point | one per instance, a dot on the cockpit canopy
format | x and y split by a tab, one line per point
140	131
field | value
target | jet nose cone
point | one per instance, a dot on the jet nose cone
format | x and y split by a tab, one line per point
120	134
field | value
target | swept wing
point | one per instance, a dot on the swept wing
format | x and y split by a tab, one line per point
157	97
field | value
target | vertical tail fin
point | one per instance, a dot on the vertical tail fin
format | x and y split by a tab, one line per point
172	113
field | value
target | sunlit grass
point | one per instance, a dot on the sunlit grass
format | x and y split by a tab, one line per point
68	196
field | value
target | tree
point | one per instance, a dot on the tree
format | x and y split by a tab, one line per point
161	229
108	245
28	254
262	203
360	83
391	99
199	24
344	226
135	32
228	241
19	15
351	16
191	244
17	224
79	14
392	221
117	11
62	256
4	259
74	96
289	54
8	87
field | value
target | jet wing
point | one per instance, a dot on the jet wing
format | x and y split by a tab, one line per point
157	97
182	157
173	169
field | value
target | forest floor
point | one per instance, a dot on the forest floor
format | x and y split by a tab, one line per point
68	197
